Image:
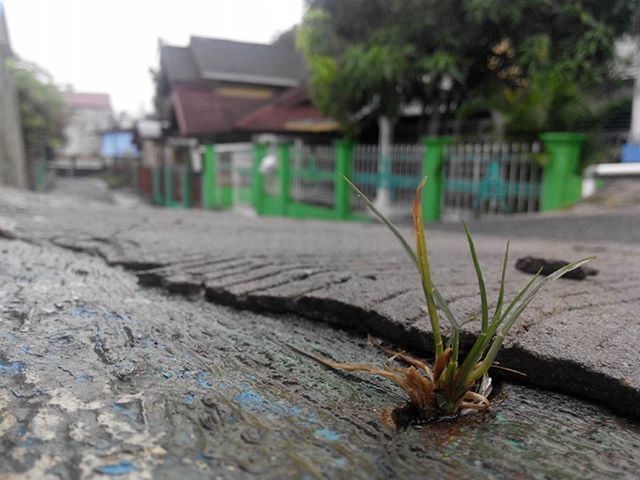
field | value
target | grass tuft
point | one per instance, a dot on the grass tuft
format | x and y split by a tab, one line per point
452	384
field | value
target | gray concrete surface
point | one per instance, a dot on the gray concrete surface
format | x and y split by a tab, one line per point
577	337
611	216
103	378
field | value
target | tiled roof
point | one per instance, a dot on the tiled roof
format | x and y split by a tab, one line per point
291	111
201	111
88	100
244	62
215	85
179	65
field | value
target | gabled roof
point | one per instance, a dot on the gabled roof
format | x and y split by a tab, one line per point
244	62
179	64
214	84
88	100
290	112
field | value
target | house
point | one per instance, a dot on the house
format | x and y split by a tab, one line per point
89	115
13	170
209	85
224	91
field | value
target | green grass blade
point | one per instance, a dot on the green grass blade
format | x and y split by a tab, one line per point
423	267
484	340
498	310
511	319
483	290
385	220
496	323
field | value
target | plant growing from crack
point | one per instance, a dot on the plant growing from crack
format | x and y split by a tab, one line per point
453	383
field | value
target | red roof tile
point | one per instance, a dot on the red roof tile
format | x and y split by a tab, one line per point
291	111
199	110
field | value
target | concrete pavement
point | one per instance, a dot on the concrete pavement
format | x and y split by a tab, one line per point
577	337
102	376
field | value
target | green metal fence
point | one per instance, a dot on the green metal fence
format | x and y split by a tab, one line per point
389	179
491	178
307	181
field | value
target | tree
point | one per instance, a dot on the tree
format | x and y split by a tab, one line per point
43	112
361	65
545	60
530	63
370	57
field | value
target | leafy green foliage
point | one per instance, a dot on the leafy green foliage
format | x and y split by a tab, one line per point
533	63
42	109
348	80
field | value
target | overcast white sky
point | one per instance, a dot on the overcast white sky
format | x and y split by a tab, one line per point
109	45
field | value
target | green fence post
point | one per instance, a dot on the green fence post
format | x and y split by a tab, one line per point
344	155
560	181
186	186
156	187
209	187
41	174
257	182
168	185
284	177
432	168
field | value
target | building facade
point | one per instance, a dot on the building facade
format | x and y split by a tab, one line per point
13	170
90	115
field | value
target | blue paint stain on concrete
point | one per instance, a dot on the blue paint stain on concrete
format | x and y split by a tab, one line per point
25	349
202	379
29	442
203	458
127	409
145	342
83	378
327	434
295	412
254	401
188	398
83	312
120	468
109	315
249	399
11	368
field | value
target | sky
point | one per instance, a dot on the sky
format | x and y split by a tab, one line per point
109	45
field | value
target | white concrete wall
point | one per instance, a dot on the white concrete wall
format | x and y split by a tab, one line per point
83	132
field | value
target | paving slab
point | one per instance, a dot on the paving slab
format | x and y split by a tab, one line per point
103	378
579	337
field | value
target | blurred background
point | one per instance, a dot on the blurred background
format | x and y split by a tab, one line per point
509	106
